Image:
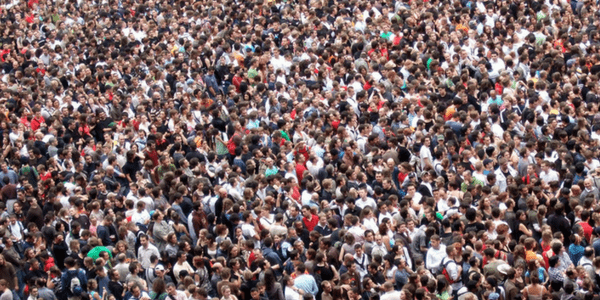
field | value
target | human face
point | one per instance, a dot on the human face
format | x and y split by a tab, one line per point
136	292
358	251
172	291
306	213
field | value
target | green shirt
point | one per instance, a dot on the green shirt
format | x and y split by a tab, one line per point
474	181
272	171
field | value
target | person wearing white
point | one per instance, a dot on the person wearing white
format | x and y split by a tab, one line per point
181	265
548	175
292	292
452	268
501	173
145	251
390	293
361	260
364	201
141	216
174	293
435	255
425	153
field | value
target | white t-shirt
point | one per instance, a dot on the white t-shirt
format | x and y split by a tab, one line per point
425	153
366	202
290	294
549	176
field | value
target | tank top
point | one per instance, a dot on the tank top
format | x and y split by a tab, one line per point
531	296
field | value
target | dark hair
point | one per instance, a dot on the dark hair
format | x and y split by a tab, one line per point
553	261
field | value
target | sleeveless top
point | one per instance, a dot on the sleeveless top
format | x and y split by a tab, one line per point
531	296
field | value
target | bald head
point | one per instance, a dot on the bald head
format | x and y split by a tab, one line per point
587	183
348	257
223	192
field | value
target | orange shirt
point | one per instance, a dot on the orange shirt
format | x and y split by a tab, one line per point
529	255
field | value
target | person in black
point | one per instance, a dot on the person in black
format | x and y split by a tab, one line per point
59	251
102	125
131	166
473	225
352	209
558	222
115	287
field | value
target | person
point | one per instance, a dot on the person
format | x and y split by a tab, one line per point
146	250
291	292
435	254
174	293
305	282
9	274
390	293
6	292
73	281
534	291
273	288
226	291
115	286
510	286
137	293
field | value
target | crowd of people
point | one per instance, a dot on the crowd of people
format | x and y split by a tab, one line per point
300	150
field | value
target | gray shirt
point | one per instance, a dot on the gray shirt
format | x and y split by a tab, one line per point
7	295
46	293
418	241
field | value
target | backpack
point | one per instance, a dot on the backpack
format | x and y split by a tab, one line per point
446	273
75	286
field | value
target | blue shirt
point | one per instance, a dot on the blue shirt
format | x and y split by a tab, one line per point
576	252
102	284
307	283
401	279
12	176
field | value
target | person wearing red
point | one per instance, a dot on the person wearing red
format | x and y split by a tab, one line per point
237	79
302	149
151	154
310	221
37	119
300	167
587	229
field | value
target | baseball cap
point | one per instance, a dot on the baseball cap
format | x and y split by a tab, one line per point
159	268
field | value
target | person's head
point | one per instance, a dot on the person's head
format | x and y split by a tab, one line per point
171	289
181	256
489	253
225	291
144	240
435	241
114	274
553	261
136	290
358	249
306	211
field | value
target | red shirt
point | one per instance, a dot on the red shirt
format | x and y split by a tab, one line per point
300	168
136	124
312	223
237	82
36	123
401	177
587	230
153	156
